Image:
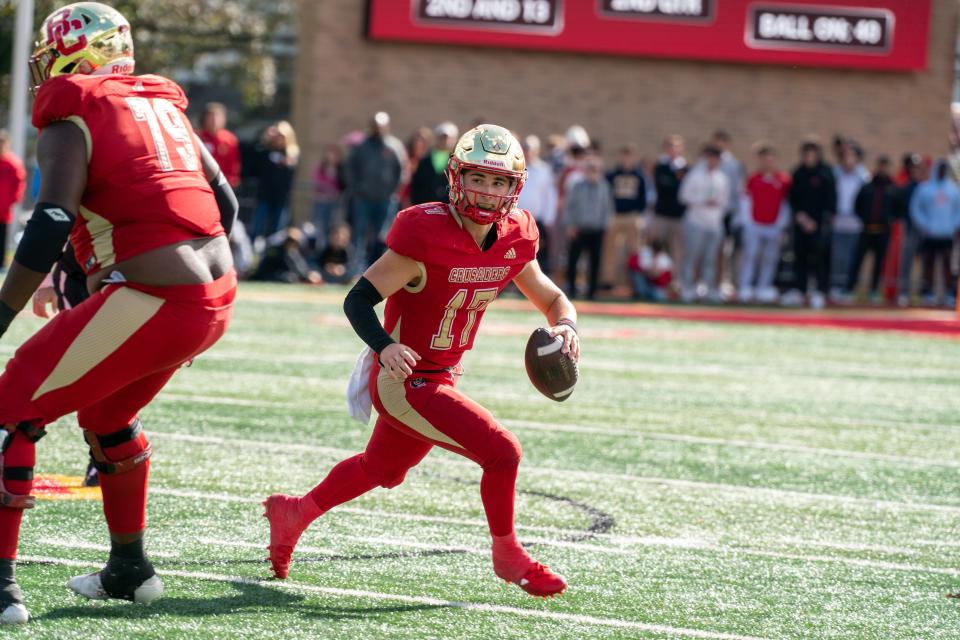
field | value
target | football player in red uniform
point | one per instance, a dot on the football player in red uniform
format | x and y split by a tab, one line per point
444	266
144	208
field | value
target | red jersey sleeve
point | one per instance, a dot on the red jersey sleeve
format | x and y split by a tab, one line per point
409	235
531	232
58	99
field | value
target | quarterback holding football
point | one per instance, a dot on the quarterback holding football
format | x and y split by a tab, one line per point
444	265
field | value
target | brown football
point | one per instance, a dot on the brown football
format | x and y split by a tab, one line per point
552	372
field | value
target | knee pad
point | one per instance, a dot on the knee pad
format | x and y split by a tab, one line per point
98	444
25	435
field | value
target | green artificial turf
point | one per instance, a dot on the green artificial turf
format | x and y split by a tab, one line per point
703	481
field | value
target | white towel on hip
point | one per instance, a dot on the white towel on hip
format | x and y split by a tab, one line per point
359	403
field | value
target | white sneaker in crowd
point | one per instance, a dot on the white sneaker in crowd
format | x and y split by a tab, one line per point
714	296
767	295
792	298
817	300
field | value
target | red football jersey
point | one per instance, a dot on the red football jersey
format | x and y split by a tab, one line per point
145	184
439	316
225	149
768	193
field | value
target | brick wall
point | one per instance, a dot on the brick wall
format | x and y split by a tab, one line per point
342	79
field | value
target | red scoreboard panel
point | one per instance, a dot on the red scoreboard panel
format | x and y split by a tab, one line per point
889	35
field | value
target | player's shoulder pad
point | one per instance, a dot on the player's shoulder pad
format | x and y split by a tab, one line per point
415	227
161	87
526	225
59	98
423	216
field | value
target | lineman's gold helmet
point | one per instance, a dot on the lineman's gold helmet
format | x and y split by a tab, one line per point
491	149
83	37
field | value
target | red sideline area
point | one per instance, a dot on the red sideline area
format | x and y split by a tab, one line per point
943	323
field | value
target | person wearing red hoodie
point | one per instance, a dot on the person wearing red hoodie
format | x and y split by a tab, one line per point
12	181
766	191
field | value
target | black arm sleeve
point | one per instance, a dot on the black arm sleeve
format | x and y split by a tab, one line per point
358	305
226	201
44	236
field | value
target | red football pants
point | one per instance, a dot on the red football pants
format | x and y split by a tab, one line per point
416	415
106	359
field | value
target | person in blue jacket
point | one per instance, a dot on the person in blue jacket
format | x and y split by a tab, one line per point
935	212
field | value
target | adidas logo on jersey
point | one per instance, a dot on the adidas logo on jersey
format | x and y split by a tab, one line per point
511	254
57	214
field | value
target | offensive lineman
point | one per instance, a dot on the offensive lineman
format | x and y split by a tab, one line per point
144	208
444	265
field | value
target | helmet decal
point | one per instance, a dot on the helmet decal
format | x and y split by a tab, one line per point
58	28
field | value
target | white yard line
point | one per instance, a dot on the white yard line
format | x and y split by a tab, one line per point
216	542
92	546
786	495
428	546
684	543
953	544
857	562
240	402
619	433
274	445
267	354
854	546
558	616
727	442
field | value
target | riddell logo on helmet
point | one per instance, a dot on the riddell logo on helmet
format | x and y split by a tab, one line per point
123	67
496	163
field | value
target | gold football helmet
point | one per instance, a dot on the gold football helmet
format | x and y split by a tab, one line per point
491	149
83	37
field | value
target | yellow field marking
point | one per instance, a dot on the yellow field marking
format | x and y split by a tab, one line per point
54	487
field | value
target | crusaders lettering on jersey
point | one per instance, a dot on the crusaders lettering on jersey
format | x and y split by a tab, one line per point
479	274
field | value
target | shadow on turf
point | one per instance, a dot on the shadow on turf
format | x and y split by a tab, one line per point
249	596
600	521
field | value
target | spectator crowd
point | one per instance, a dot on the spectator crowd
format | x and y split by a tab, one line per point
659	228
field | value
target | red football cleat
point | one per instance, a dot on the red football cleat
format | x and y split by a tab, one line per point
540	581
286	525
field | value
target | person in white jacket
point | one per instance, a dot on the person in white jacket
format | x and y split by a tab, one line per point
706	193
